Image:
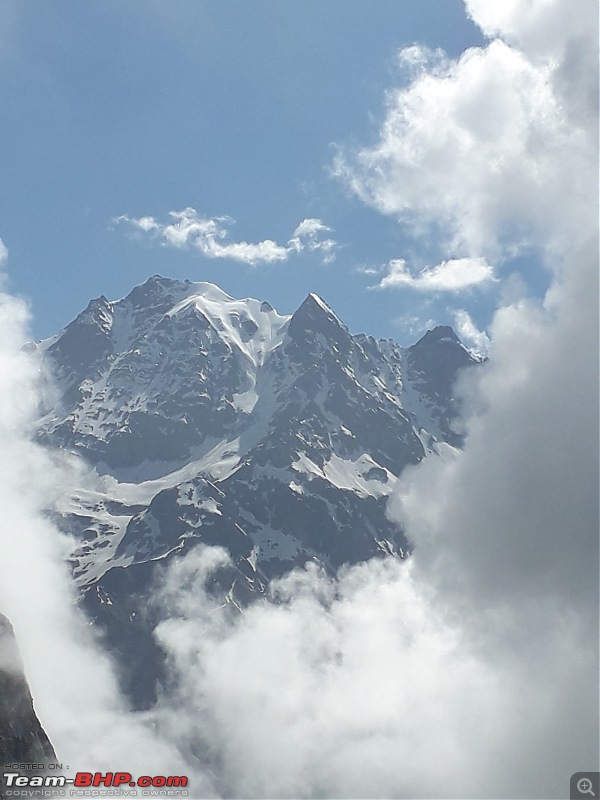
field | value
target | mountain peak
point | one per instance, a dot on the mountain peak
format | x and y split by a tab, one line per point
157	288
441	333
315	308
318	300
162	282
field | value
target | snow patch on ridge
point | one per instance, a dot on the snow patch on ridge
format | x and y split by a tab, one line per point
247	325
349	474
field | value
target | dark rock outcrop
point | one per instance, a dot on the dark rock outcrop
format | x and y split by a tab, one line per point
23	741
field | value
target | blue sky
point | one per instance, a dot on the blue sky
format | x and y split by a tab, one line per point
237	110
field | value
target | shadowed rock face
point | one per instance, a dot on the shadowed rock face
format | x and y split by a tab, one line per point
22	738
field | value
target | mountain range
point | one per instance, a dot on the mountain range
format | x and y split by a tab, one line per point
209	420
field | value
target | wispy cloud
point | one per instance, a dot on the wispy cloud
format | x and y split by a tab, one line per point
368	269
470	334
454	275
210	236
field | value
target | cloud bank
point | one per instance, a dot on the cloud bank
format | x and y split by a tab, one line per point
209	236
351	688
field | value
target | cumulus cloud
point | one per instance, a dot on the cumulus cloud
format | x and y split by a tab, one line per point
452	275
550	33
209	236
483	150
544	29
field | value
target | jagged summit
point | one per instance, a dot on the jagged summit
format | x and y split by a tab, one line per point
314	298
219	421
314	316
159	285
313	304
158	290
149	377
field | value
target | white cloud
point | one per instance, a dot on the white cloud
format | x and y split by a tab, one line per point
209	235
483	150
453	275
353	688
309	227
145	224
542	28
306	236
416	60
470	334
367	269
555	33
3	253
507	534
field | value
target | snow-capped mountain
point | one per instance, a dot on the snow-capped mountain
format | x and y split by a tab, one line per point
214	420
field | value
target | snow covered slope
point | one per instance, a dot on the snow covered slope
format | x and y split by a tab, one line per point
214	420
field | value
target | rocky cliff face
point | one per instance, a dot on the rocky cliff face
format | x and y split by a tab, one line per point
23	741
219	421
